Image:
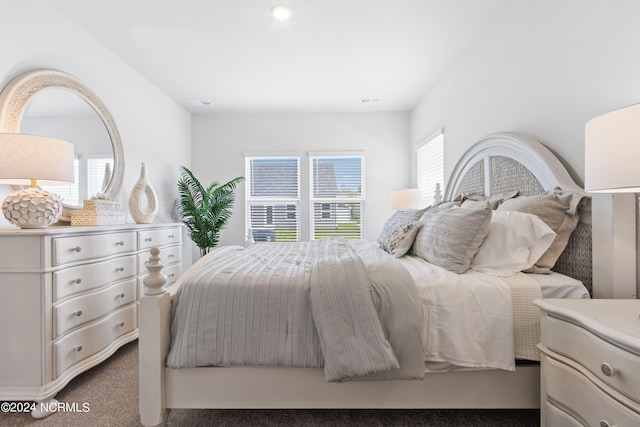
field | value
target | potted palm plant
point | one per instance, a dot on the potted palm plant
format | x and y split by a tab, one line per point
205	211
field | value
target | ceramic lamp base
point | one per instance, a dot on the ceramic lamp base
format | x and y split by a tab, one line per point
32	208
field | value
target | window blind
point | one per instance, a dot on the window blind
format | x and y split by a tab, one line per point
337	196
99	172
273	198
430	169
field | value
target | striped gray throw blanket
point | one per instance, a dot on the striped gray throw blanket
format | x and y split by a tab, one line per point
344	305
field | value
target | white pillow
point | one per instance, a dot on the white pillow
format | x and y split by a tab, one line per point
515	242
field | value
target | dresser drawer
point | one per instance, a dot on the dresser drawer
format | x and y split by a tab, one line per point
556	417
89	340
165	236
172	272
76	311
595	354
168	255
572	390
86	247
94	275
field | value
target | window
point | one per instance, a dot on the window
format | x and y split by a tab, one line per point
273	198
430	166
337	195
99	172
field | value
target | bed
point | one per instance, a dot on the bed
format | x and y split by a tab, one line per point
498	164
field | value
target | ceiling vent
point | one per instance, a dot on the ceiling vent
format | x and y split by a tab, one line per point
370	100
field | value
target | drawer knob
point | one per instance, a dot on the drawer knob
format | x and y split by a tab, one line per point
76	281
148	239
121	269
171	236
78	348
121	295
607	369
120	243
605	423
121	324
78	313
76	249
171	256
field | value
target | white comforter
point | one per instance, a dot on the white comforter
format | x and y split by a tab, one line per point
468	318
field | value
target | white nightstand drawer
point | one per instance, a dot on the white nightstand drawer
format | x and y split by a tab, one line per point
168	255
89	340
79	248
556	417
95	275
597	355
167	236
591	404
76	311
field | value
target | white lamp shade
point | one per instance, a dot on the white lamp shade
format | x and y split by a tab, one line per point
612	152
408	198
29	157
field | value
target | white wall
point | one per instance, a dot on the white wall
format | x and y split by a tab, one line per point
154	129
542	68
220	141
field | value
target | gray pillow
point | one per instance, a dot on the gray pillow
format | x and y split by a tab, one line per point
450	238
559	210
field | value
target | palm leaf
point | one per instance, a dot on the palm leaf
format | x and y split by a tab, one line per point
205	212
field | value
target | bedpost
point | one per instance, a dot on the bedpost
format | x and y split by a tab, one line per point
154	336
437	195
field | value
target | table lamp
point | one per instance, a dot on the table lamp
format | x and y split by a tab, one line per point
27	160
408	198
612	146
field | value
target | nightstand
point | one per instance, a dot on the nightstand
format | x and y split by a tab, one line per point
590	362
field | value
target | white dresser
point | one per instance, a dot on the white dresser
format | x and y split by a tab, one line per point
69	299
590	362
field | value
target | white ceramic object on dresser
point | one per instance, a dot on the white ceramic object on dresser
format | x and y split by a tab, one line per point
143	202
70	299
590	360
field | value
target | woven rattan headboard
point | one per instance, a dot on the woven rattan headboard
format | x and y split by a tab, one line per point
505	162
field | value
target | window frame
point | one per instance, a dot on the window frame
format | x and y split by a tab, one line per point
323	201
269	202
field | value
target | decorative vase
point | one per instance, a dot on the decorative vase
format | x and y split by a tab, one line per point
143	202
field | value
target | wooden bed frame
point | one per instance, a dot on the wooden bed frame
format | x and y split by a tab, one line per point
162	388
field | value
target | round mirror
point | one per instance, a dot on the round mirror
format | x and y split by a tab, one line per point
55	104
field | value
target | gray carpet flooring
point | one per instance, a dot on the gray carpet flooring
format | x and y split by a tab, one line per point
110	393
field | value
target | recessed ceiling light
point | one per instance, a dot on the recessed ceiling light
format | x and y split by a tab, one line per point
281	12
201	103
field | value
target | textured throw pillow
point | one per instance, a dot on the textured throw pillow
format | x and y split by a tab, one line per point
559	210
450	238
400	237
399	217
516	240
397	221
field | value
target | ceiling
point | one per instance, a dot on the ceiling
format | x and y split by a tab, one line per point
326	58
